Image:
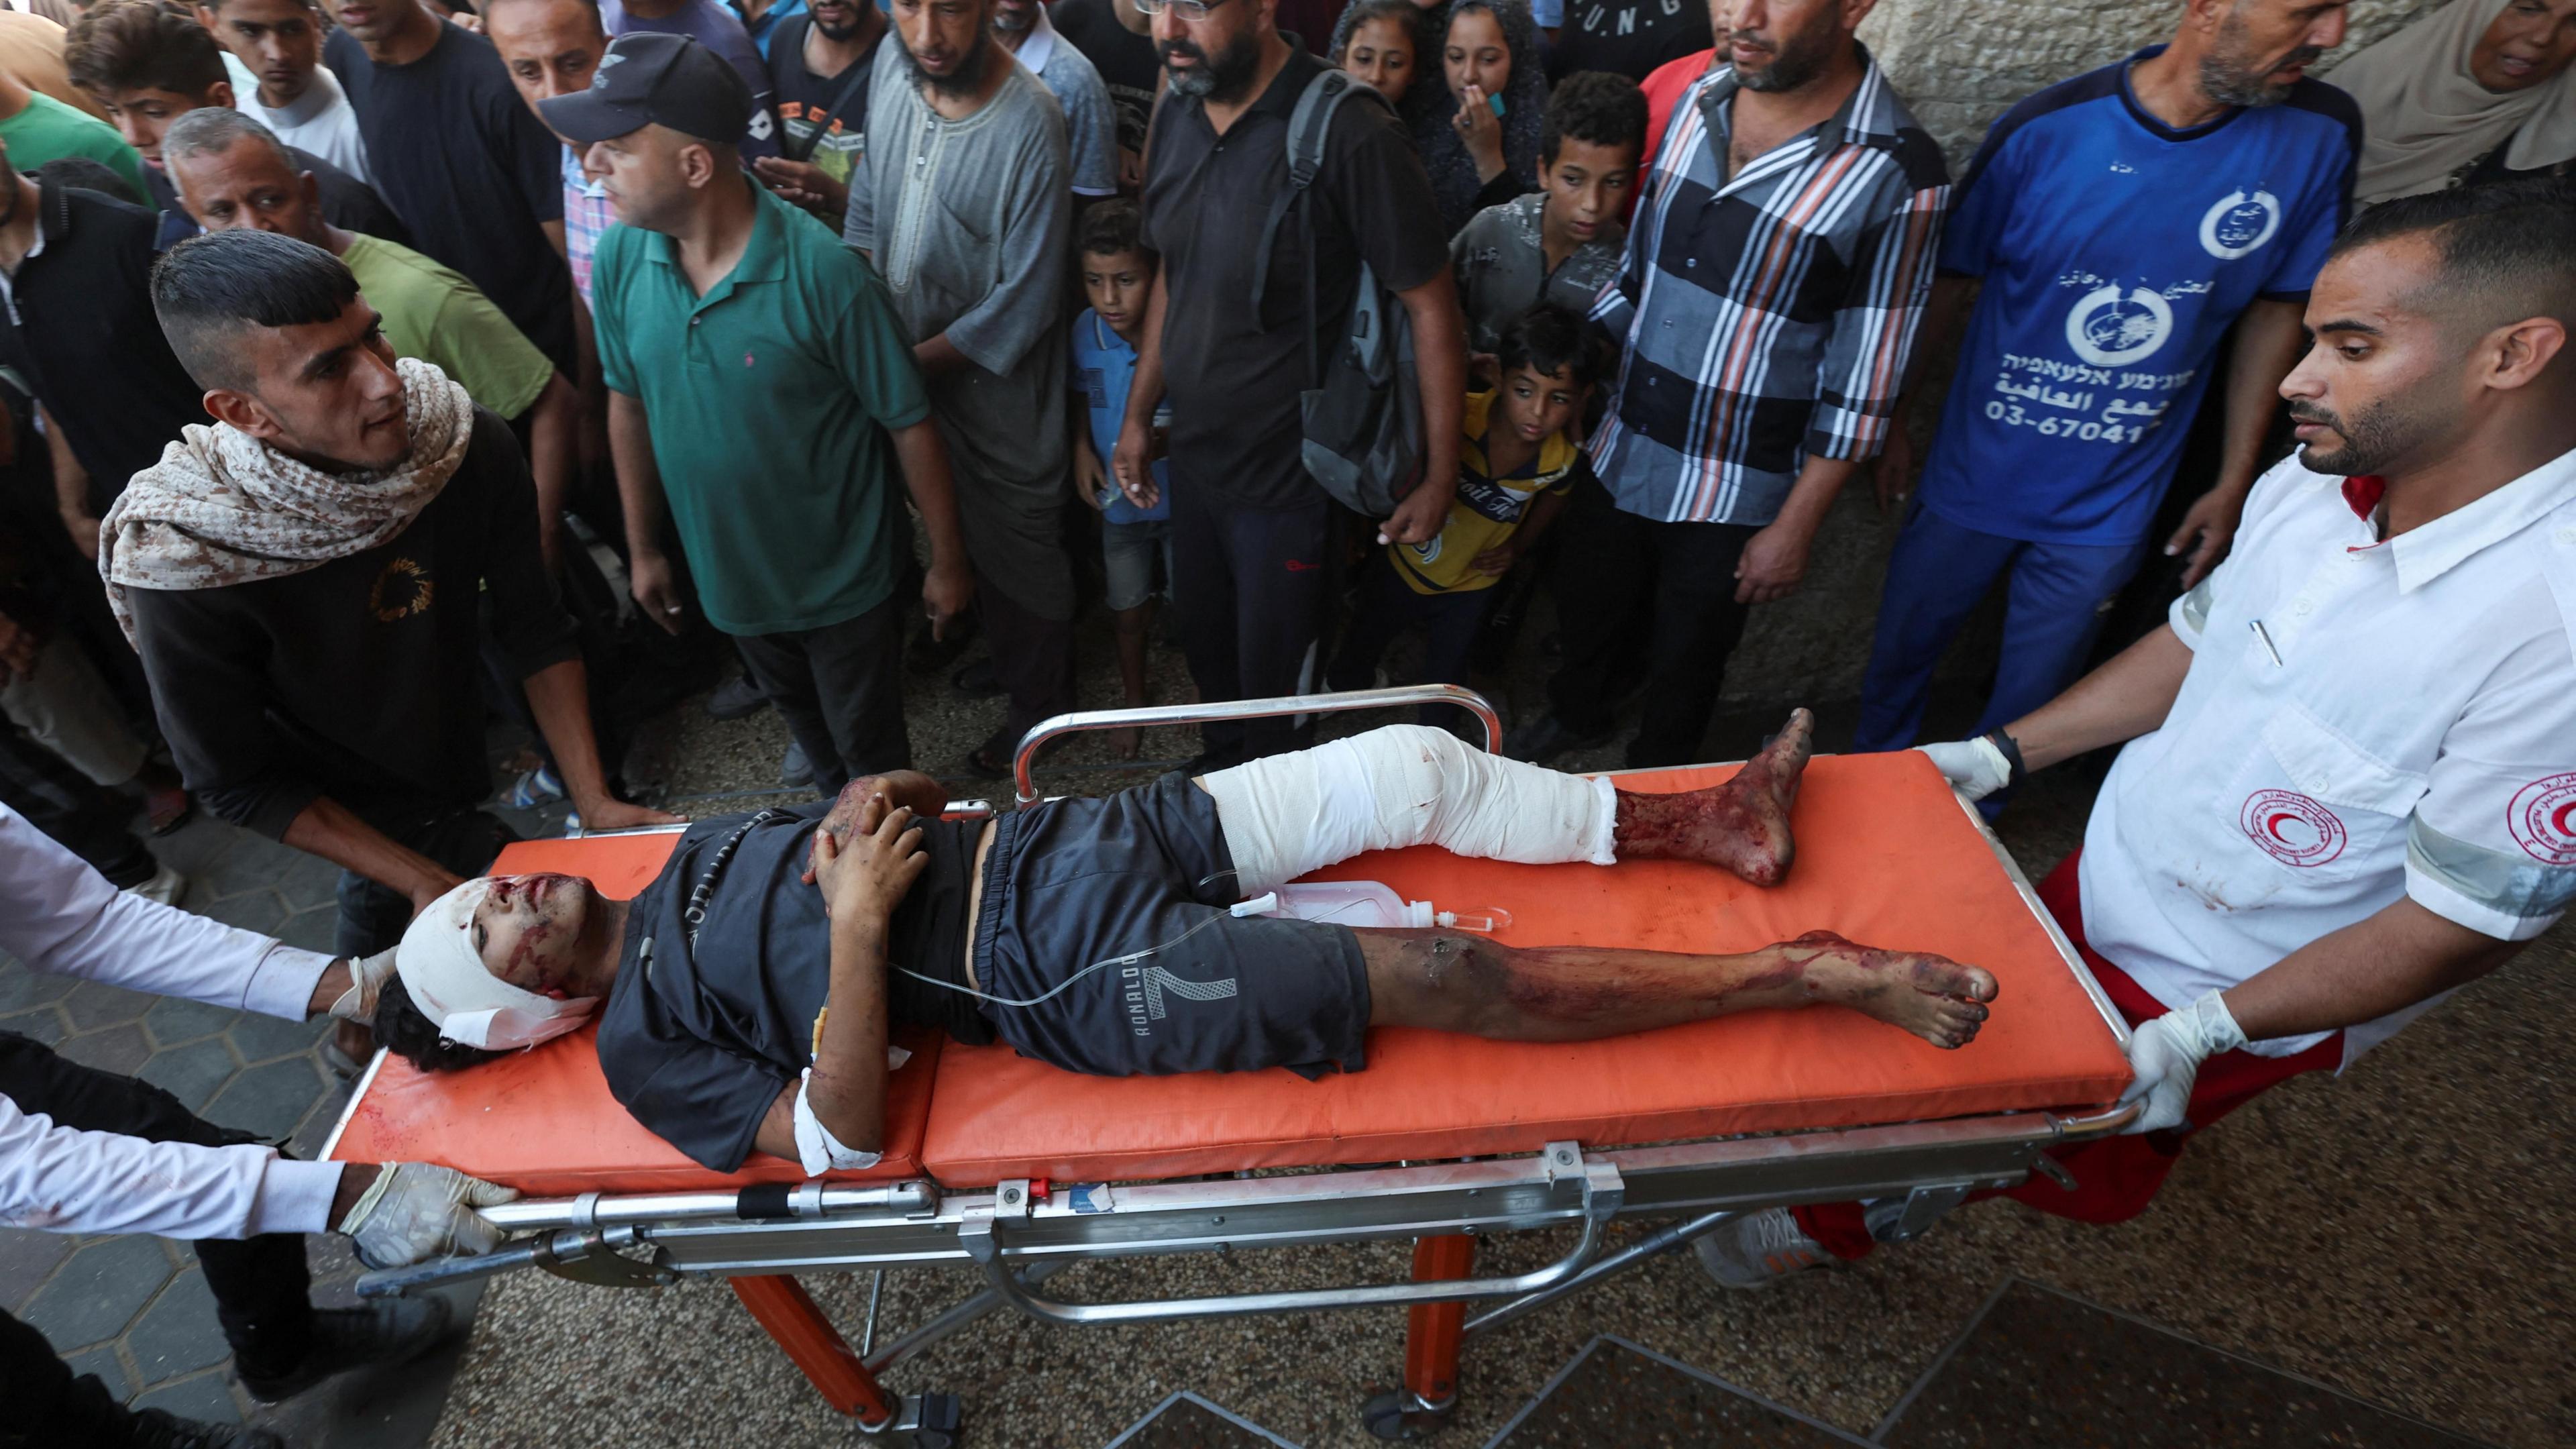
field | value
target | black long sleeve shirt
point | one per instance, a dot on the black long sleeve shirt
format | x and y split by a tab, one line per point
361	679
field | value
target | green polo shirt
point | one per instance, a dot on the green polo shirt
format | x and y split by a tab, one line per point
765	398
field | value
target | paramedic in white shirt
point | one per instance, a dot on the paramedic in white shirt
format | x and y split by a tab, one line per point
2349	783
85	1151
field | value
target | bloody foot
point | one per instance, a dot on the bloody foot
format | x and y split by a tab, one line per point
1741	825
1933	997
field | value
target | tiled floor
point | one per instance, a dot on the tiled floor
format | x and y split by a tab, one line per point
135	1311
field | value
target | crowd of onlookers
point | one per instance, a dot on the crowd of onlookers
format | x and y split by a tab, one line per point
824	337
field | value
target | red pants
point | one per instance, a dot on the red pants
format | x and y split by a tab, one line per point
2115	1177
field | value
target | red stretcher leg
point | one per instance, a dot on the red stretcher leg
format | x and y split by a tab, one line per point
782	1306
1432	1335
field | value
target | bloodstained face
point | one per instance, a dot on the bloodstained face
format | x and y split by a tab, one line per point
529	931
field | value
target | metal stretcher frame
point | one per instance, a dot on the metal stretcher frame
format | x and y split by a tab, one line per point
1018	1233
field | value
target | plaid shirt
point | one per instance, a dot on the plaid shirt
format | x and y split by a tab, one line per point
587	213
1767	318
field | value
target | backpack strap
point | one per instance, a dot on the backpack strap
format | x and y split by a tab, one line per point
1309	126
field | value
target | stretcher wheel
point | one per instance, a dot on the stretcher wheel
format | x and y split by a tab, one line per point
1393	1415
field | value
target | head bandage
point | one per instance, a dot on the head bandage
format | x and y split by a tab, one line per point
1285	815
470	1006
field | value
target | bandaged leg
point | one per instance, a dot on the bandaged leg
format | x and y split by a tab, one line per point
1403	785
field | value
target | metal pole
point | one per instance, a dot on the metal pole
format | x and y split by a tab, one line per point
1234	709
1663	1240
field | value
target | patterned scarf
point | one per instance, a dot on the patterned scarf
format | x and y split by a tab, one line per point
223	508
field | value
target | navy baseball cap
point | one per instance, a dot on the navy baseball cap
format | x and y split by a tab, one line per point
649	78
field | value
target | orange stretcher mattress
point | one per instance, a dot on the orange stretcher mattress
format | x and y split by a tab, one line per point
1885	856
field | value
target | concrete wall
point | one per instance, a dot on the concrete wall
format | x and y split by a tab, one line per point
1960	64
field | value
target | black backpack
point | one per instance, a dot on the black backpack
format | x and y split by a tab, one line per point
1362	403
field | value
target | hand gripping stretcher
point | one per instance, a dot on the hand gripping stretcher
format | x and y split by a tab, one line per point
1011	1170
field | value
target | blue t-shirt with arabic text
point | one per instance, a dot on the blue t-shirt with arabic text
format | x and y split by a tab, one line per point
2115	253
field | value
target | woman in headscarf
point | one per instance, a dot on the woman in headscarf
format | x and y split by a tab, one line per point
1479	140
2478	90
1380	43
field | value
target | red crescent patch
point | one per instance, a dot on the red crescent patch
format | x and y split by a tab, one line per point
2293	828
2538	818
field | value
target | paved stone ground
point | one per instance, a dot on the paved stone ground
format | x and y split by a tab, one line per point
135	1310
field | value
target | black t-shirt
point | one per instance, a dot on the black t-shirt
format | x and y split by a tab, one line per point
1234	379
1126	61
361	679
1627	37
470	171
804	99
81	334
697	1040
347	202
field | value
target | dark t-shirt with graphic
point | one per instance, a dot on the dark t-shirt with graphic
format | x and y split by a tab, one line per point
805	99
1626	37
1125	60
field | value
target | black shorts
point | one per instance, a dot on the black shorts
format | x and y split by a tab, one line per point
1073	882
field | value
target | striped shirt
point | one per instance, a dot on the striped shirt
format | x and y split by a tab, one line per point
1766	317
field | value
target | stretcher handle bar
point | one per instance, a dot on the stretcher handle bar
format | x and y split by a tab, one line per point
568	1246
1006	1284
1234	709
1662	1240
2104	1123
594	1210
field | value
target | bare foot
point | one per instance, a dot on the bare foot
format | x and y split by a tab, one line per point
1933	997
1741	825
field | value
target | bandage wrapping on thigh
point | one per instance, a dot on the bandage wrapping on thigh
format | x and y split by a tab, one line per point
1404	785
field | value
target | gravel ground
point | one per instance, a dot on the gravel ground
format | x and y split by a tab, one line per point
2377	1233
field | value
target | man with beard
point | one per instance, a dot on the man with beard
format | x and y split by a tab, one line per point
2350	786
1777	264
1090	124
963	200
821	61
1251	530
2121	222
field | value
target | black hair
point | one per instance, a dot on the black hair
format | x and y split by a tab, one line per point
1597	108
123	45
1117	225
88	175
1403	12
1548	337
208	288
405	1030
2511	241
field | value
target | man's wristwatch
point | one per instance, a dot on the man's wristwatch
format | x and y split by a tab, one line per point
2010	749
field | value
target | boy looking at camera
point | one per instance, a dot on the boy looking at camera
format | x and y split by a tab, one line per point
1117	277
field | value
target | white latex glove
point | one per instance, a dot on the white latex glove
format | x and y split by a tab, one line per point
416	1210
367	977
1975	768
2166	1054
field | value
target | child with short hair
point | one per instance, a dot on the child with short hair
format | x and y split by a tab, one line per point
1516	464
1117	278
1560	243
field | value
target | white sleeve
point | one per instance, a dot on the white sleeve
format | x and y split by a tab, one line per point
2490	846
68	1181
58	915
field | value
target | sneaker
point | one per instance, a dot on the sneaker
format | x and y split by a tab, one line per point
1546	737
166	885
736	698
395	1331
540	786
795	769
161	1429
1758	1250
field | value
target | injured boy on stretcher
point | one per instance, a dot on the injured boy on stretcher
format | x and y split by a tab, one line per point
745	995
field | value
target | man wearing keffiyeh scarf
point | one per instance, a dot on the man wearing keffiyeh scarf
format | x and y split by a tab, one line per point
316	581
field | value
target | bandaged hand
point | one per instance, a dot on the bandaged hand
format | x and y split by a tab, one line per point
367	978
2166	1054
1975	768
416	1210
